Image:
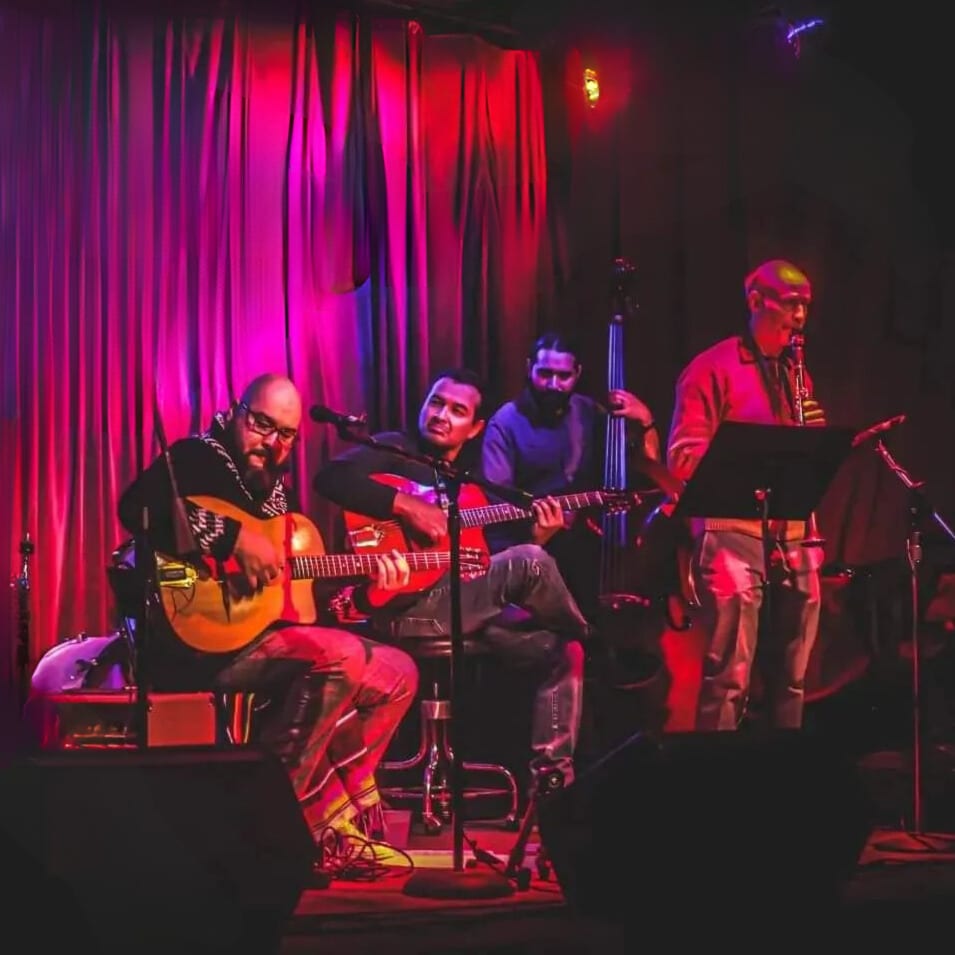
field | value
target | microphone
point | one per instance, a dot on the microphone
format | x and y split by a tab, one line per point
886	425
324	415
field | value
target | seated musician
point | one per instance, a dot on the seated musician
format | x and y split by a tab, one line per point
525	575
336	721
548	441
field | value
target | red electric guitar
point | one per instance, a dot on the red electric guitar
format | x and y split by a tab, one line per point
366	535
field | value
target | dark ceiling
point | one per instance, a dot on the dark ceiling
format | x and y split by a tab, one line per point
906	50
903	46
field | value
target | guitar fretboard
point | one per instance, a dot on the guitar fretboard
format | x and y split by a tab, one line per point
498	513
354	565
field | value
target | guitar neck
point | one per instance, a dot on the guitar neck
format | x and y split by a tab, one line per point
309	567
500	513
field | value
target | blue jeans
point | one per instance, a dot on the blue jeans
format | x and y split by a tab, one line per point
544	638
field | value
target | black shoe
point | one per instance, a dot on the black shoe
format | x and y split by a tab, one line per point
321	878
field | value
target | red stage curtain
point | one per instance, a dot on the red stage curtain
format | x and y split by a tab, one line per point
186	203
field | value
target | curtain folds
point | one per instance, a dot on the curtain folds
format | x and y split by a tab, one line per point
187	203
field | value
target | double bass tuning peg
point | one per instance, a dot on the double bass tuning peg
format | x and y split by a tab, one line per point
623	267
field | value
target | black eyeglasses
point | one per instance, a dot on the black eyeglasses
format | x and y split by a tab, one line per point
264	425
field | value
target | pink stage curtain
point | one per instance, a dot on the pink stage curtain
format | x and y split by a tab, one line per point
187	203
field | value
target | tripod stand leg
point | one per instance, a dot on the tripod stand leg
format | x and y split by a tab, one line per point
515	860
547	782
542	863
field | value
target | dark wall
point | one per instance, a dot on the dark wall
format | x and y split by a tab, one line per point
715	147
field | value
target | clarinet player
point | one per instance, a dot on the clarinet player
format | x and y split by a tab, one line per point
751	377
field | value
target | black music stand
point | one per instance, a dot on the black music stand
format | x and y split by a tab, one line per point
764	472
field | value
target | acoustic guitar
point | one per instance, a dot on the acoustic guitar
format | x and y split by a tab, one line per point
210	606
366	535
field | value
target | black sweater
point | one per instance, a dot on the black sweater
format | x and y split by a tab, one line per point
346	481
202	465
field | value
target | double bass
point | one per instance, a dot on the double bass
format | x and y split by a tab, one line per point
645	575
614	586
628	613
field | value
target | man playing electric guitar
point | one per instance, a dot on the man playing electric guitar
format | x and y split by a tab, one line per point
524	576
334	725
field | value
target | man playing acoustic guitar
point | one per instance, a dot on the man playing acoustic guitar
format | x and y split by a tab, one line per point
334	725
373	485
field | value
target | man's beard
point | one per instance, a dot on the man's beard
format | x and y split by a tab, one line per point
552	404
260	480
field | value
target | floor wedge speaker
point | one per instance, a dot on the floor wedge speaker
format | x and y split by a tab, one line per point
152	851
711	823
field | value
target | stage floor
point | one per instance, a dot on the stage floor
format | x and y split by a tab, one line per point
905	894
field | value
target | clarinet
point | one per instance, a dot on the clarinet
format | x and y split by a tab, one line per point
798	344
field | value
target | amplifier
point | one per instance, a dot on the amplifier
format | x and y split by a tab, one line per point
85	719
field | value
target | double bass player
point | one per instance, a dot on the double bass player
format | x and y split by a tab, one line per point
550	440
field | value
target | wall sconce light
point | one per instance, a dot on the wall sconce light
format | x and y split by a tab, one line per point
591	87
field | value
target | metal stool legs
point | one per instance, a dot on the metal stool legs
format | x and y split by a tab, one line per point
435	752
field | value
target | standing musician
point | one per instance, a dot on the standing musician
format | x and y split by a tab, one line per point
750	378
549	440
524	576
334	725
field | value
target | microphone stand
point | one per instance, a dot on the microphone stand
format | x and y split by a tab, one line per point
23	586
458	882
916	840
145	559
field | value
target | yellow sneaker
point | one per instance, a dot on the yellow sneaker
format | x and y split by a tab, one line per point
360	849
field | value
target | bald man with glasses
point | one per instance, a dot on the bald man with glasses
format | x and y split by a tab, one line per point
749	377
332	726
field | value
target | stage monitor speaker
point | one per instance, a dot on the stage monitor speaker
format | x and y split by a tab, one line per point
198	851
727	823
